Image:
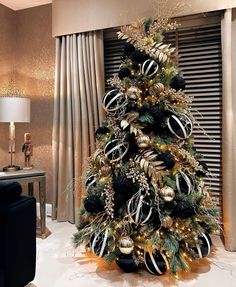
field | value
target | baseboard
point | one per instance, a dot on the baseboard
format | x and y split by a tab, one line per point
48	210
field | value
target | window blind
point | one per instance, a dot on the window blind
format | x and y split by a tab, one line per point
199	49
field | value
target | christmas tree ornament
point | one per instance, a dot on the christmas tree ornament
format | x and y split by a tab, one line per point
101	132
139	208
143	141
166	221
116	149
128	262
156	262
105	170
128	49
93	203
159	87
180	125
126	245
168	159
177	83
184	183
183	210
149	68
124	72
167	193
203	245
91	181
114	100
133	93
98	242
138	56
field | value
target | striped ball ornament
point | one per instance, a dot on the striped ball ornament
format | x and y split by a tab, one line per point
116	149
114	101
156	262
203	248
184	183
98	242
180	125
149	68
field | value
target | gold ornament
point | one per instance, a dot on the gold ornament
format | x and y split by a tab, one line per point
160	88
133	93
126	245
143	141
167	193
151	82
167	221
106	170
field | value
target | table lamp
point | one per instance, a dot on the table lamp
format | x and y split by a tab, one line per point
13	110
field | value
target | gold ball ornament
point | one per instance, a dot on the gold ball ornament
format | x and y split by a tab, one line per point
160	88
167	193
106	170
126	245
143	141
167	221
133	93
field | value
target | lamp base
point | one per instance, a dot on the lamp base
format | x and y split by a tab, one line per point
11	168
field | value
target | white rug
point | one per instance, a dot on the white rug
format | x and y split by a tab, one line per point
59	265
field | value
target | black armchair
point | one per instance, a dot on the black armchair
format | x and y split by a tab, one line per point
17	236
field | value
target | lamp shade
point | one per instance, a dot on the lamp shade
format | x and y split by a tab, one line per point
14	109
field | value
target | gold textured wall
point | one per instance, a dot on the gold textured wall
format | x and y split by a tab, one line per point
33	71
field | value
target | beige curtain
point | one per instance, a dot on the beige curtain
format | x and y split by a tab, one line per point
79	87
229	127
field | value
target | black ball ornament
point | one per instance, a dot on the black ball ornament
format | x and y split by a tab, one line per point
168	159
116	149
156	262
203	247
183	210
149	68
180	125
124	72
204	170
92	203
114	100
128	262
139	208
184	183
177	83
128	48
98	242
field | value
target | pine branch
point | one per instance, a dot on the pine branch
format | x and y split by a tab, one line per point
110	257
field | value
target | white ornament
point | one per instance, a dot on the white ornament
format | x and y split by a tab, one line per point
114	101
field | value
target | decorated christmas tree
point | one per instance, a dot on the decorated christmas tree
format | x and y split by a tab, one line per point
146	203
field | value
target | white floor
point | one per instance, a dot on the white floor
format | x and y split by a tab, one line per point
59	265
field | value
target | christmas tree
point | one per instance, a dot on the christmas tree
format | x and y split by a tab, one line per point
146	203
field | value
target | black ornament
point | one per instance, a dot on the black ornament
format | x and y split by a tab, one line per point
168	159
157	113
138	56
184	183
128	262
101	131
180	125
92	203
204	171
128	49
203	248
177	83
124	72
155	262
149	68
114	100
98	243
183	210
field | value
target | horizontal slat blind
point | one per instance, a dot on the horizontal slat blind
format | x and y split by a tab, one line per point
199	50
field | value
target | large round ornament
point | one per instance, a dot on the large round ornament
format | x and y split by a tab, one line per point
180	125
114	100
149	68
116	149
143	141
177	83
90	181
98	242
126	245
167	221
156	262
133	93
167	193
159	88
184	183
139	208
203	248
128	262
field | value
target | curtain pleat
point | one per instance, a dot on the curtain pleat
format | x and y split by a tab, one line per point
79	87
229	129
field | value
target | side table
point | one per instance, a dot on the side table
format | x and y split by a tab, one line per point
30	177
